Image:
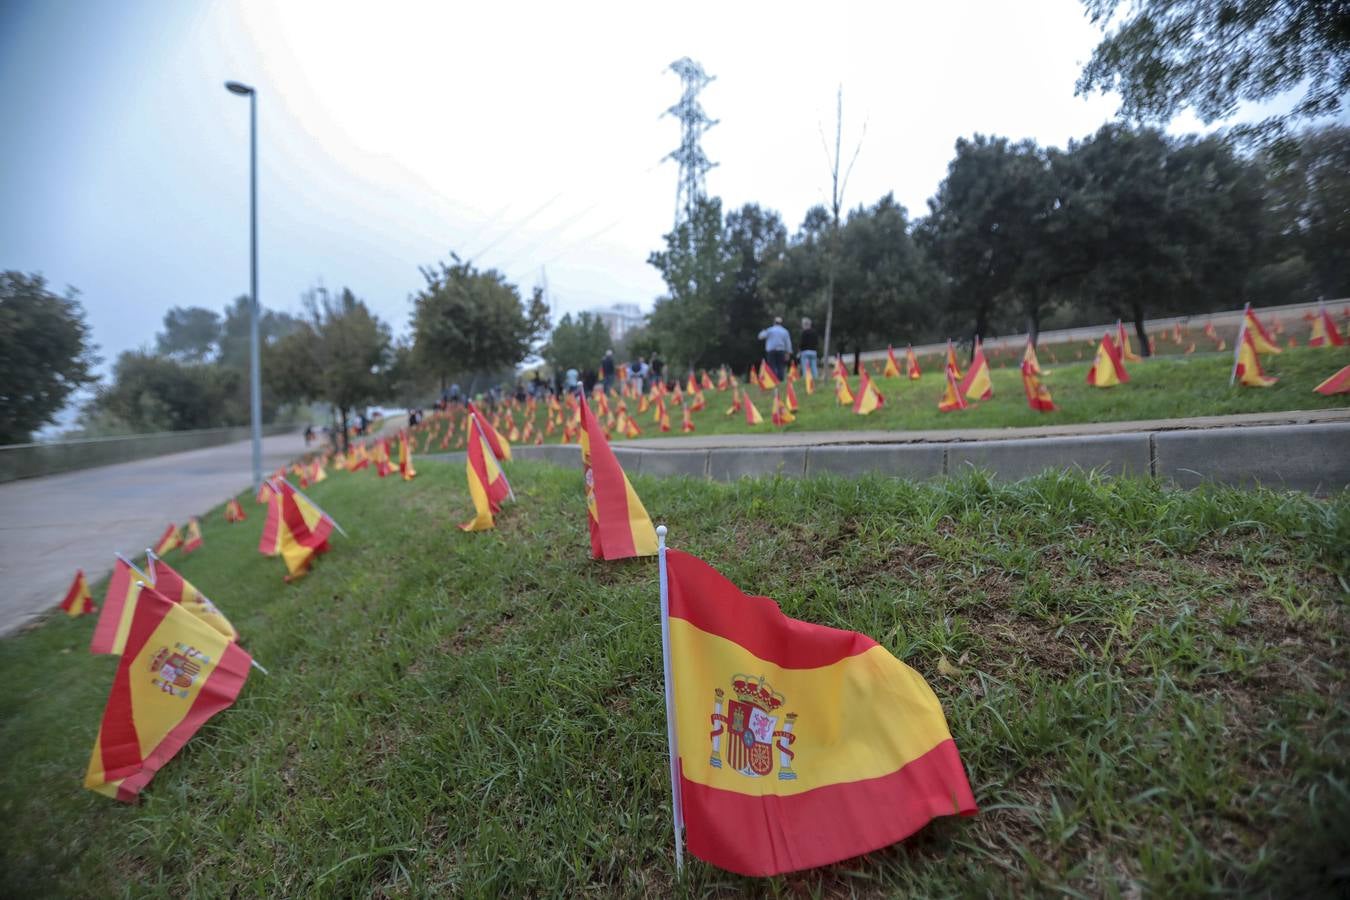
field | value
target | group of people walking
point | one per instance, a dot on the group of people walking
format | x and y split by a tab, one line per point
778	348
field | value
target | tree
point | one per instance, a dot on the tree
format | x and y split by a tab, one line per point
472	321
45	354
695	268
191	334
576	343
838	183
1163	56
1308	211
157	393
981	225
338	356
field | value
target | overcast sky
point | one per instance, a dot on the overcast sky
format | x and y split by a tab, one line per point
526	136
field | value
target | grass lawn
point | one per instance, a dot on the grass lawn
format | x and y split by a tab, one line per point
1147	687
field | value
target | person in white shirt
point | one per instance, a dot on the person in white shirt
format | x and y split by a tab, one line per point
777	347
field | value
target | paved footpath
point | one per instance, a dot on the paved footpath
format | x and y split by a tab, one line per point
49	527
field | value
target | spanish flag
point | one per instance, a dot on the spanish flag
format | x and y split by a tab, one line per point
296	529
119	605
1030	364
1324	330
1247	364
810	381
78	600
688	424
976	385
169	583
767	380
264	493
1038	395
619	524
382	462
1123	343
405	463
168	540
501	448
234	512
912	363
488	486
1108	369
752	416
794	745
843	395
892	369
1262	342
194	535
790	398
780	415
1336	384
951	396
951	360
869	398
177	672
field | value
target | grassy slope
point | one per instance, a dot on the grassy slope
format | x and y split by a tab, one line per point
1161	388
1147	688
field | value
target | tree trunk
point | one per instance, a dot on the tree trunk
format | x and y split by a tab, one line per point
1144	349
981	323
829	300
342	424
857	360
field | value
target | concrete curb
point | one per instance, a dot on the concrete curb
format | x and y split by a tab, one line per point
1312	457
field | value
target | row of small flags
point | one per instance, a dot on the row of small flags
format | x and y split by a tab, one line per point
179	658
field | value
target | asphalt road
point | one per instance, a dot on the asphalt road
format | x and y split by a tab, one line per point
49	527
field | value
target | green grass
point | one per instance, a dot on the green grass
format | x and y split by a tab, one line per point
1147	687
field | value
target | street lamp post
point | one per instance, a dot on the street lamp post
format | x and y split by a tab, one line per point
254	368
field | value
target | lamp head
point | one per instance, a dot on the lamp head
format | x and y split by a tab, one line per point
234	87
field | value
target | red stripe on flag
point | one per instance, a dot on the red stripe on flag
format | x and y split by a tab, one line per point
768	835
105	630
755	623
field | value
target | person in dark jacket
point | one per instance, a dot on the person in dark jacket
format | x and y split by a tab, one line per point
809	346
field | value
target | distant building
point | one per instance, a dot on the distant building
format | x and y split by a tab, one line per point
619	318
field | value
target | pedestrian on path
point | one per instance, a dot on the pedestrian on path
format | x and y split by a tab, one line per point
777	346
809	345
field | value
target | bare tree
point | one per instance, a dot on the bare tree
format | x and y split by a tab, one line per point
837	187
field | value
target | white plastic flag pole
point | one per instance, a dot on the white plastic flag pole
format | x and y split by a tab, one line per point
676	807
254	663
1237	347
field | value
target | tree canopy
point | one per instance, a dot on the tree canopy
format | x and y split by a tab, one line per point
576	343
1163	56
45	354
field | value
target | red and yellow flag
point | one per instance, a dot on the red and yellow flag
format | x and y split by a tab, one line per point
766	378
619	524
869	399
1247	369
119	604
234	512
405	463
798	745
1324	330
912	364
688	425
1123	343
295	528
951	360
1029	361
951	395
264	493
892	369
810	381
175	674
1108	369
977	385
194	535
843	394
501	448
790	397
780	415
752	416
1038	395
1262	342
487	483
78	600
168	540
1336	384
169	583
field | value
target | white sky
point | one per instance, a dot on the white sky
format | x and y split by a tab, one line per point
528	136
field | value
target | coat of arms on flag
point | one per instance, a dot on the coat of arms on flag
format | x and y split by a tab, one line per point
751	726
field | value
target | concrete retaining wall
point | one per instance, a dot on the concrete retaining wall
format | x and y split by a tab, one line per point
1313	457
34	460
